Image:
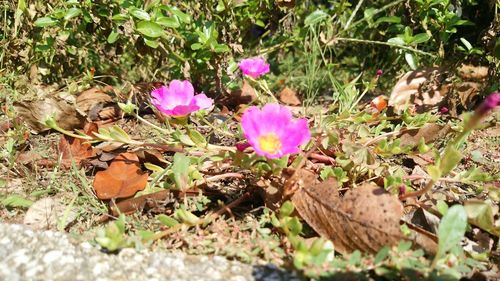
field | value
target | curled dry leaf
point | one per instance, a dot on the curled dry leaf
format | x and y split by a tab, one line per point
420	88
366	218
34	114
289	97
122	179
97	104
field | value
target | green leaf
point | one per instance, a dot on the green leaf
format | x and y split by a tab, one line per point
466	43
315	17
166	220
397	41
196	46
180	169
451	229
152	43
150	29
197	138
186	217
410	59
442	207
112	37
434	172
140	14
45	22
120	17
286	209
183	17
16	201
391	19
221	48
449	160
168	22
71	13
481	214
420	38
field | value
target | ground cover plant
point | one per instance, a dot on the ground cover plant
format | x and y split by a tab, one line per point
341	139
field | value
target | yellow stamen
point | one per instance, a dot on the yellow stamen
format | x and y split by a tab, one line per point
270	143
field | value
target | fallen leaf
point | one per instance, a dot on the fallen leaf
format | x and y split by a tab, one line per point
429	132
35	113
420	88
379	103
245	95
97	104
122	179
366	218
47	213
289	97
75	149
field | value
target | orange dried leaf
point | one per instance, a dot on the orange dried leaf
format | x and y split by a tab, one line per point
289	97
379	103
122	179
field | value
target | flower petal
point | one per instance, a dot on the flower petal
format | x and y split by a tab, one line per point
202	101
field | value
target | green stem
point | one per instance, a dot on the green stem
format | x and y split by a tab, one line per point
337	39
165	131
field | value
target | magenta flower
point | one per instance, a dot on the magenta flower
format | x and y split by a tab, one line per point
178	99
379	72
254	67
272	131
490	102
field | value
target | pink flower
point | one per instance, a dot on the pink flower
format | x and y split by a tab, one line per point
272	132
379	72
178	99
254	67
489	103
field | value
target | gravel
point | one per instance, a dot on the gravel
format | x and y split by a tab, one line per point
34	255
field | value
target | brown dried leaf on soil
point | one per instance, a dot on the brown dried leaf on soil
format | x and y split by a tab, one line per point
429	132
34	114
366	218
97	104
289	97
75	149
122	179
245	95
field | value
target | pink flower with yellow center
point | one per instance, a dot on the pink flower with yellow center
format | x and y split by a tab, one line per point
254	67
178	99
273	132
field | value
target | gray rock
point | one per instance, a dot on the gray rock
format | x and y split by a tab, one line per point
31	255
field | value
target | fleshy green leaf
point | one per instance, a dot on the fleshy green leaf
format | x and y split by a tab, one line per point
71	13
150	29
45	22
315	17
140	14
449	160
451	229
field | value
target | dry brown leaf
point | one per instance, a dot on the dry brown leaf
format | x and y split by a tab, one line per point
286	3
366	218
75	149
420	88
35	113
245	95
122	179
97	104
289	97
429	132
